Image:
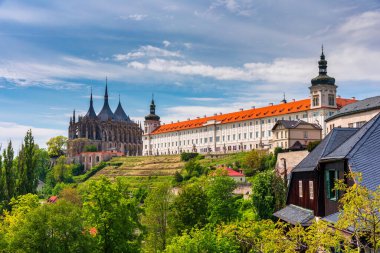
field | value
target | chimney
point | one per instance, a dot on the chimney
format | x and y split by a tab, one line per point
171	122
253	107
215	114
241	109
204	116
220	113
188	118
338	96
353	98
177	121
293	100
197	117
271	104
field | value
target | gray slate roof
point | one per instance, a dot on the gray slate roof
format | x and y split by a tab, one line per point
362	151
335	138
120	114
295	215
367	104
290	124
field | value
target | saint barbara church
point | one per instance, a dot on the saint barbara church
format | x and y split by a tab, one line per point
245	129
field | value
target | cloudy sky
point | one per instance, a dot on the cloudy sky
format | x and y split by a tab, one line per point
198	57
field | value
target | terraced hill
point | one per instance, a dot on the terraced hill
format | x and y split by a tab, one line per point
142	170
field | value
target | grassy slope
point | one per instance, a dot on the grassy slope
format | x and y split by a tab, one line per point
148	171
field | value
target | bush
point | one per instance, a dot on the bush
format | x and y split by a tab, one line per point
178	177
312	145
90	172
187	156
90	148
77	169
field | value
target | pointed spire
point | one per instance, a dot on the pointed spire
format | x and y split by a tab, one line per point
322	78
106	93
152	115
74	116
106	113
284	100
91	112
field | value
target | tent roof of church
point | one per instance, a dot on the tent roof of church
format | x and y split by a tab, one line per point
257	113
106	113
120	114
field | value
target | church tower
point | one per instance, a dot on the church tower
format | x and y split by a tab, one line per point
323	88
152	121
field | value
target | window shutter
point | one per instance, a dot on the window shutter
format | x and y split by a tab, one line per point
327	183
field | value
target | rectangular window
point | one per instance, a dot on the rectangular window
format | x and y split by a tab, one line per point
360	124
269	133
250	135
316	100
217	138
239	136
245	135
233	136
300	191
351	125
205	140
305	134
330	177
257	134
331	99
210	139
311	189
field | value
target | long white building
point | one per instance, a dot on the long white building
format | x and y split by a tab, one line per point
243	130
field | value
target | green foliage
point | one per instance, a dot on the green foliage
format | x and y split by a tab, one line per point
201	240
157	218
268	193
90	148
9	178
221	202
56	146
62	171
178	177
42	164
52	228
27	179
259	160
110	209
193	169
190	207
188	156
312	145
90	173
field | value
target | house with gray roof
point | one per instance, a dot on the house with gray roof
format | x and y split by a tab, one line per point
343	150
354	115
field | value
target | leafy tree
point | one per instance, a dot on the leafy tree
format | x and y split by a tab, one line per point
56	146
268	193
254	162
110	209
27	175
201	240
188	156
71	195
312	145
190	207
54	227
193	168
360	213
178	177
42	164
156	219
62	171
9	177
221	202
2	183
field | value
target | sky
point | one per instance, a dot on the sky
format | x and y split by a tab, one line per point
198	57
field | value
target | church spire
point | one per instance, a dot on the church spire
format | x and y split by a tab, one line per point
106	113
91	112
152	112
322	78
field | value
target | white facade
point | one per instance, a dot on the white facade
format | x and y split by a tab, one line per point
243	130
224	138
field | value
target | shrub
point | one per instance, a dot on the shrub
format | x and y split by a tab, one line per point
312	145
90	148
187	156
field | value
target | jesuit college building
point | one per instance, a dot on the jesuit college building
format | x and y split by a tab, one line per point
245	129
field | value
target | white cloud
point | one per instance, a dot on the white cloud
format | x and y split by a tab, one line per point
136	17
166	43
16	132
147	51
238	7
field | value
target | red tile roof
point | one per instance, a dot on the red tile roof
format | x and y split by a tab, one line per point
233	173
53	199
263	112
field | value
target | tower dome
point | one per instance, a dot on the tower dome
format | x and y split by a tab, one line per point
322	78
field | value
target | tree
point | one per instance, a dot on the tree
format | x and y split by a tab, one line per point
54	227
268	194
156	219
360	213
253	162
27	175
42	164
2	184
110	209
312	145
193	168
201	240
9	177
61	170
221	203
190	207
56	146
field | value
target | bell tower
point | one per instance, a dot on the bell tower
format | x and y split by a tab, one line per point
323	88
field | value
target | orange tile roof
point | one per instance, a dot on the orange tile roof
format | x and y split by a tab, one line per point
258	113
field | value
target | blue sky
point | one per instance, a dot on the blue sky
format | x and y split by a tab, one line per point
198	57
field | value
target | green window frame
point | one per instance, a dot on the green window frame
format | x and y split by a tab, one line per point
330	177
